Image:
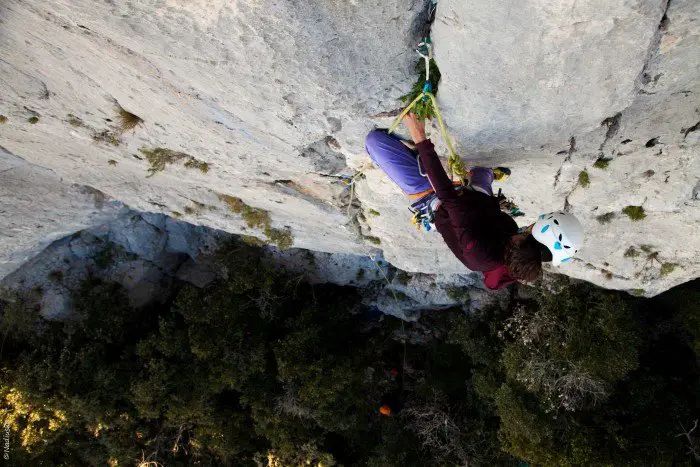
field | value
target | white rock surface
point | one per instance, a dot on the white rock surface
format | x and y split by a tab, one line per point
520	79
517	75
36	208
261	92
276	98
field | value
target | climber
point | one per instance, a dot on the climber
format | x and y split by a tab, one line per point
469	218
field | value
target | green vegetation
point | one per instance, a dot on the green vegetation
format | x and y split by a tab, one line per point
605	218
371	239
107	136
637	292
108	254
252	240
3	119
33	119
256	218
112	162
373	212
234	204
458	294
423	109
636	213
583	179
360	275
158	158
74	121
262	367
667	268
647	248
126	120
631	252
402	277
193	163
176	214
601	163
282	238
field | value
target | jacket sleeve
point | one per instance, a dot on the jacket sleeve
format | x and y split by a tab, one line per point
436	173
445	191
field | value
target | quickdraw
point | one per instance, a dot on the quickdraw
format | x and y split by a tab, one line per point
455	166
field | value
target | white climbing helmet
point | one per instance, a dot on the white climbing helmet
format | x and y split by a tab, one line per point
561	233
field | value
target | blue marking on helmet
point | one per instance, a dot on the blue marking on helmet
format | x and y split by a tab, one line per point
565	260
544	229
557	246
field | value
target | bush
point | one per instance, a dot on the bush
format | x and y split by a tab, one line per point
257	218
601	163
423	109
584	179
572	347
200	379
127	120
578	365
263	367
635	213
159	158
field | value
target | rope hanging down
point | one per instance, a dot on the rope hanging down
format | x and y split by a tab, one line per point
455	166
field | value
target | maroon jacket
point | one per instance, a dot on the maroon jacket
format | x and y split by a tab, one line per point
471	223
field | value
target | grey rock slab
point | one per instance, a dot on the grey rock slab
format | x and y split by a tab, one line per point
522	74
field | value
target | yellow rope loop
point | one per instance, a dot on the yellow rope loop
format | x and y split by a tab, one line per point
457	168
397	120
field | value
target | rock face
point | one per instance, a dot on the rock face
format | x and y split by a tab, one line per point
143	252
151	255
36	208
264	94
559	90
269	103
517	75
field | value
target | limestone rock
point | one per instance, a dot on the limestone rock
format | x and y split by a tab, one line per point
523	74
270	103
549	89
259	92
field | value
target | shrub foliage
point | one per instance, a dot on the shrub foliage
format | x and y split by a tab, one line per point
264	368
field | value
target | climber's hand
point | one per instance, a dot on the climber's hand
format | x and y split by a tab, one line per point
415	127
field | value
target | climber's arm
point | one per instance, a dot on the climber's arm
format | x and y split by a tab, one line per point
436	173
429	159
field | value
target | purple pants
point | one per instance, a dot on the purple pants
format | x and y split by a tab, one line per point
401	165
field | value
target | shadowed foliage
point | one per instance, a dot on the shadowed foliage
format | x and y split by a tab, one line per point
263	368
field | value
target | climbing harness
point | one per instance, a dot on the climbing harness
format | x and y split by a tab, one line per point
424	212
